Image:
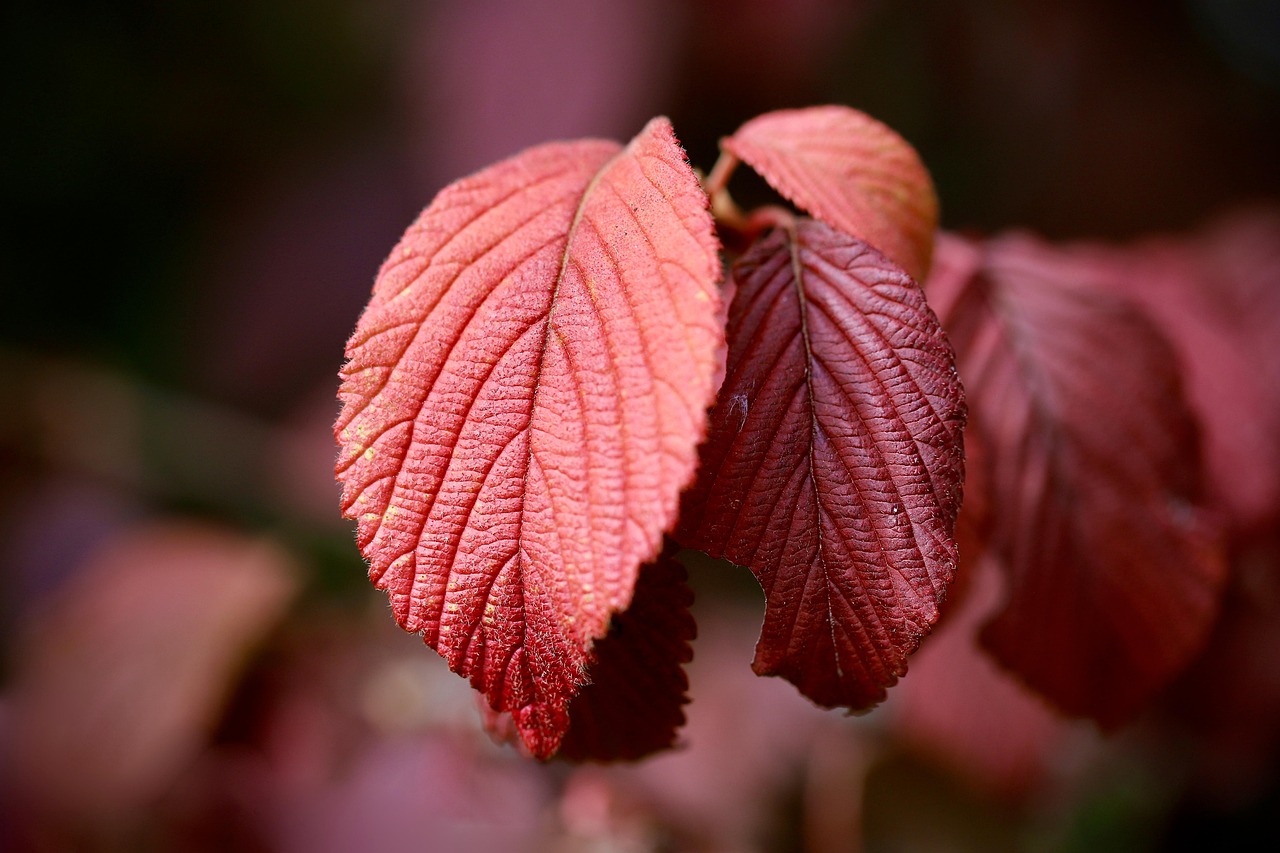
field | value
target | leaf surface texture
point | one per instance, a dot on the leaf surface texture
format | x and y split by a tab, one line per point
834	464
522	404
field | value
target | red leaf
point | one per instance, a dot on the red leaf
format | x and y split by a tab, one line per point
850	171
522	404
834	465
1092	465
634	703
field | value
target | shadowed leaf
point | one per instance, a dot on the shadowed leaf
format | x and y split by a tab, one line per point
634	703
834	463
522	402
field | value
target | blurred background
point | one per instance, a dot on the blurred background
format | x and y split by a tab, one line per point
197	197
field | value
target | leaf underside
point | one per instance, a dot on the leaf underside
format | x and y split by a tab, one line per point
521	407
834	464
1090	460
850	171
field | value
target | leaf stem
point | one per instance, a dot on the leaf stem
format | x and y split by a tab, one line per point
770	216
717	181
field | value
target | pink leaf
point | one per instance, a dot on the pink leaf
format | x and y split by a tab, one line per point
1217	297
850	171
834	465
1091	464
522	404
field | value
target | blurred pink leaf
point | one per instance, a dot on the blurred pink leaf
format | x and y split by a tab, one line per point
121	677
1216	295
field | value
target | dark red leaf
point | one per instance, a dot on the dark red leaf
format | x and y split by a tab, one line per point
634	703
850	171
1091	464
1229	697
834	464
522	404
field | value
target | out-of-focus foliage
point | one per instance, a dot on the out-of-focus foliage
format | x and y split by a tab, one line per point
198	196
